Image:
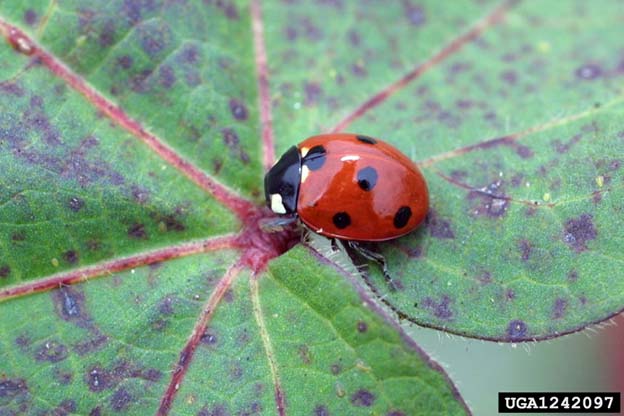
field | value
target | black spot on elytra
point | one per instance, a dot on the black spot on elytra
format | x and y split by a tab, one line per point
121	400
71	256
99	379
51	351
341	220
362	326
75	204
363	398
516	330
321	410
367	178
137	231
441	309
238	110
525	249
166	76
315	158
5	271
559	308
11	387
30	17
366	139
304	354
438	227
588	72
578	231
402	216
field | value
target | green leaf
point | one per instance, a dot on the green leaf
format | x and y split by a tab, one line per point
519	136
131	152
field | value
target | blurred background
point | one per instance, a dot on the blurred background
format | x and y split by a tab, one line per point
590	360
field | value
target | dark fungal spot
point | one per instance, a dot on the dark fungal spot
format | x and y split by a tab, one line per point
578	231
71	256
588	72
63	377
402	217
120	400
525	249
30	17
573	276
137	231
367	178
441	309
559	308
315	158
90	345
414	13
125	61
12	387
336	369
395	413
75	204
362	326
208	338
51	351
238	109
362	398
341	220
366	139
96	411
304	354
438	227
321	410
18	236
166	76
313	93
516	329
218	410
5	271
65	408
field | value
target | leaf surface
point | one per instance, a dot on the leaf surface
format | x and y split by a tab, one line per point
132	146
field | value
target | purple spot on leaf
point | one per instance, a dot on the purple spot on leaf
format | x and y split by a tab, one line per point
589	72
363	398
559	308
578	231
516	329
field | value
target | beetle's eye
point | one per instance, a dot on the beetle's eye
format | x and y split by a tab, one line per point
286	189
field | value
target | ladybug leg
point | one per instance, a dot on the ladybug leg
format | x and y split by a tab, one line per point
377	258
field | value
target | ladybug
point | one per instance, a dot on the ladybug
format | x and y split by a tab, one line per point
349	187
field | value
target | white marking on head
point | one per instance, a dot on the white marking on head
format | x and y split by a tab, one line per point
304	151
305	171
349	158
277	206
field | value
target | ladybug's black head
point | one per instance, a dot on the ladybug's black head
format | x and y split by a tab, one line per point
281	183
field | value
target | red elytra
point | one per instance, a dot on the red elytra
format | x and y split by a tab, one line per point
349	186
